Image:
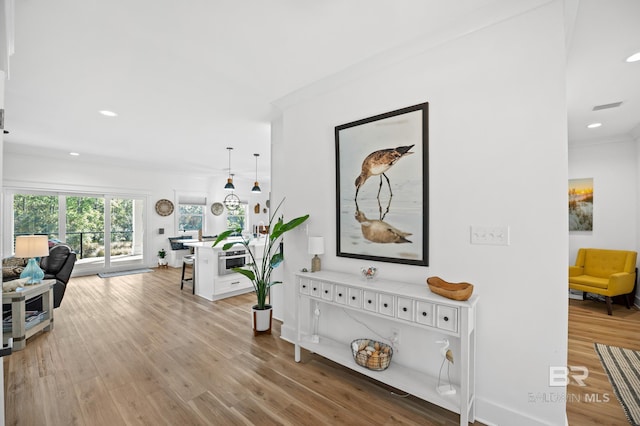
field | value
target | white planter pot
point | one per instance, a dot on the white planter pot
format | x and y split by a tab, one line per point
261	319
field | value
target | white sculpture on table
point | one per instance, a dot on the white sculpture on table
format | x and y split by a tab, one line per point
447	355
315	338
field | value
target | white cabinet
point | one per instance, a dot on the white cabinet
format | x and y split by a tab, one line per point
230	285
398	302
209	284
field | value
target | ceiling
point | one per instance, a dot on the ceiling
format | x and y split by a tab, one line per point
189	79
605	34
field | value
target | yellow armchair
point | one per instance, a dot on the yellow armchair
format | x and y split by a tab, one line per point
606	272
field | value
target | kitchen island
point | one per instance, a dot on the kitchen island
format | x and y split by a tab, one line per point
212	281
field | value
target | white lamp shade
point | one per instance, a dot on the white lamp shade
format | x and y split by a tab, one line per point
316	245
32	246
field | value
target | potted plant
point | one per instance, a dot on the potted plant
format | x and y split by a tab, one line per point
260	272
161	257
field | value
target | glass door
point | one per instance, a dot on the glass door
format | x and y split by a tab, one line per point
125	230
105	231
85	229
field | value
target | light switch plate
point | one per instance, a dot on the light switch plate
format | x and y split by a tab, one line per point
490	235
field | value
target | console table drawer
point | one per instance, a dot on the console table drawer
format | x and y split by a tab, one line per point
304	286
405	309
386	304
341	295
355	298
447	318
370	301
315	289
424	313
327	291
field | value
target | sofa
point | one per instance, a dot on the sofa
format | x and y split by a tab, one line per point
58	265
608	273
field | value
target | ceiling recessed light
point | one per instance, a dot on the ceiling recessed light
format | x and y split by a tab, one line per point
594	125
75	154
634	58
108	113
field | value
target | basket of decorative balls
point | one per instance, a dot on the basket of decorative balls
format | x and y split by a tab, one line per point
371	354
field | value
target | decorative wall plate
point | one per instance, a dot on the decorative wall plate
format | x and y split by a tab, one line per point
217	208
164	207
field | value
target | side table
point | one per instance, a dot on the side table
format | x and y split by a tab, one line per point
19	331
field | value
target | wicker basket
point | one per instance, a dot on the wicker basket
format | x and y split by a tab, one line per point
371	354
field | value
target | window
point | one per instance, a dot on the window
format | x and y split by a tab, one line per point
238	217
191	217
191	211
35	214
85	225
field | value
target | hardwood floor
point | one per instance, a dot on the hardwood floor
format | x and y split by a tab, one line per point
135	350
589	324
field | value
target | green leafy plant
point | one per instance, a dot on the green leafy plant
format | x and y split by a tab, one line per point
162	253
260	272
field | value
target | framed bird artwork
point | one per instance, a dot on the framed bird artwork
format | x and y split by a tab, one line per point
382	187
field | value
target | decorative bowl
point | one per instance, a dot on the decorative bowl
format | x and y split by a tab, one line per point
369	272
454	291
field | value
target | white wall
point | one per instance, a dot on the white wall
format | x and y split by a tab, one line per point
75	174
613	166
498	156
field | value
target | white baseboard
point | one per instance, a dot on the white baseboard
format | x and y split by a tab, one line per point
288	333
501	415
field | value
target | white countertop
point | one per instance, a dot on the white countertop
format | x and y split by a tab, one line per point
204	244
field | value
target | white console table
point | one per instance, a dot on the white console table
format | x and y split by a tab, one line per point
398	302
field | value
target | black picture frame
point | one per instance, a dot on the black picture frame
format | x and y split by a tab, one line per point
382	212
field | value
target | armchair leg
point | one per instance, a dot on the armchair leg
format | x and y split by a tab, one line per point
609	305
628	299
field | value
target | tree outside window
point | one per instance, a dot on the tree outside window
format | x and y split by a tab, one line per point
191	217
238	217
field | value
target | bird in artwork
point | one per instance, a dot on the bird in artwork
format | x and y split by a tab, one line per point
378	162
378	231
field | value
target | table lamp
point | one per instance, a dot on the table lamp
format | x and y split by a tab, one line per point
32	246
316	247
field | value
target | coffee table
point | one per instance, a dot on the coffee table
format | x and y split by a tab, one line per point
19	330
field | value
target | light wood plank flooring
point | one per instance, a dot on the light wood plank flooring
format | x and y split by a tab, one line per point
589	324
135	350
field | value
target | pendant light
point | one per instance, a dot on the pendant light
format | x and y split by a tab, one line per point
229	186
231	201
256	189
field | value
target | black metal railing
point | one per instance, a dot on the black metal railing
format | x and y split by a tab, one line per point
89	244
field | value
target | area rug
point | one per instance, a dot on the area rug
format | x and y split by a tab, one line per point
623	369
120	273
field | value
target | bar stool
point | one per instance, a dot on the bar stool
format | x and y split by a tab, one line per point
189	260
